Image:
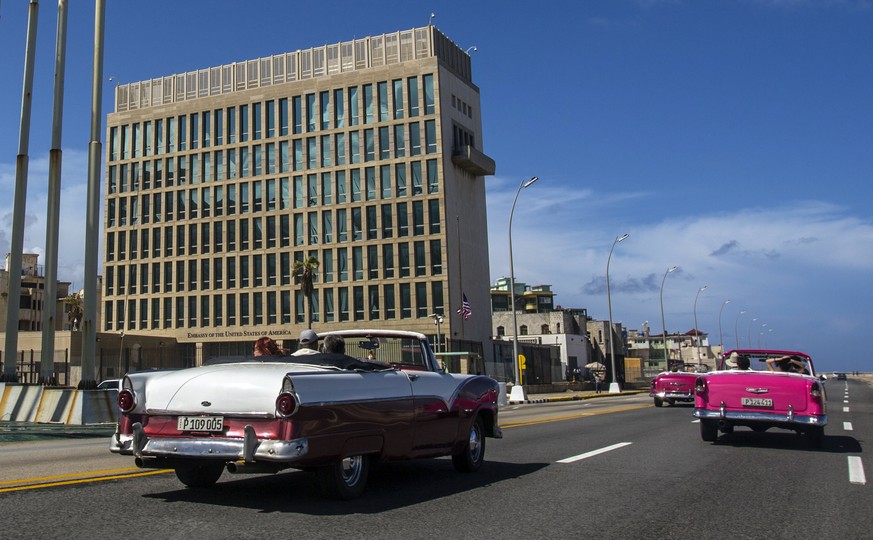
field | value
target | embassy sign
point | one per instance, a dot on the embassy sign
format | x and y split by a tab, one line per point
237	333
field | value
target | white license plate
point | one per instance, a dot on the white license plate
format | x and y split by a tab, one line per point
200	423
757	402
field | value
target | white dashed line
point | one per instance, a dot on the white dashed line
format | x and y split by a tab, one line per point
845	409
847	426
856	471
593	453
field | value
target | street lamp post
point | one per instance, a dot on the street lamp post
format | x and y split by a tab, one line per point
737	329
696	329
663	324
750	331
437	320
760	334
613	385
517	393
720	335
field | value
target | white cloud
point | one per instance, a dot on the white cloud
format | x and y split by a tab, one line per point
73	204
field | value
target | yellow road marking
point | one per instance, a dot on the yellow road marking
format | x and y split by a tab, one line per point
39	483
571	416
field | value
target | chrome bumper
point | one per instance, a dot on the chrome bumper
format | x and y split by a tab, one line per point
248	449
787	418
673	395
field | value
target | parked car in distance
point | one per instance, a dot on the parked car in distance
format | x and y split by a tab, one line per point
109	384
840	376
676	385
330	413
778	389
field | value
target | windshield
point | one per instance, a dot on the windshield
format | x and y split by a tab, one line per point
774	362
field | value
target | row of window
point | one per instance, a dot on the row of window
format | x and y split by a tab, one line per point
312	112
263	159
312	228
358	263
329	304
299	191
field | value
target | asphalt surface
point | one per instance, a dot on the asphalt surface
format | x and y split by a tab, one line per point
30	431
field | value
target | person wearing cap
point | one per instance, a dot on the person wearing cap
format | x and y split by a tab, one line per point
307	344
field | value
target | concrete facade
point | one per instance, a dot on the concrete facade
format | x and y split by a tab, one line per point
367	155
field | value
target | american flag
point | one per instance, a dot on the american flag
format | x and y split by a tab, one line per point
465	308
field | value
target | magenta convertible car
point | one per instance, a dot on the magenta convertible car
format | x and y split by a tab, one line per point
673	386
762	389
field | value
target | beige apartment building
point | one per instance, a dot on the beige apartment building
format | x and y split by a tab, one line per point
366	154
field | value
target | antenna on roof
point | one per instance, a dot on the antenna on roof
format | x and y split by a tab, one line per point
430	21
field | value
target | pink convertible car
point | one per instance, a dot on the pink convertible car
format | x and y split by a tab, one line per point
762	389
673	386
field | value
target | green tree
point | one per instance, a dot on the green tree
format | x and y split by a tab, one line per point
304	271
75	310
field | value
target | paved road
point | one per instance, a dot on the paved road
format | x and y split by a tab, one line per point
609	468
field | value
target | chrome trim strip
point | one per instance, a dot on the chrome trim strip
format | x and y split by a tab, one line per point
251	414
248	449
753	416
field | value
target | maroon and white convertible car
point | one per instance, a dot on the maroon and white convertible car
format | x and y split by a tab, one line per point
330	413
762	389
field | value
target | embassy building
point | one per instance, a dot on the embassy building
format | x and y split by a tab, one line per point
365	154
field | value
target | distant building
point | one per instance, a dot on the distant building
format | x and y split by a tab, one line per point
528	298
367	155
32	301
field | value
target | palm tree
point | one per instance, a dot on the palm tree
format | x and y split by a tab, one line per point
304	271
75	310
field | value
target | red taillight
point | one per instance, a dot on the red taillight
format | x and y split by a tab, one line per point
286	404
126	401
700	386
815	392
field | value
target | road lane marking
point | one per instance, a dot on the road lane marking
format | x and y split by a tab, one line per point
845	409
847	426
593	453
82	480
845	401
520	423
62	477
856	471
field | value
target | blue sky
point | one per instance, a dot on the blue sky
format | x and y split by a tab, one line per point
732	138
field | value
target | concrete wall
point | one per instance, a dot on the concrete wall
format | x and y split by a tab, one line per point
51	405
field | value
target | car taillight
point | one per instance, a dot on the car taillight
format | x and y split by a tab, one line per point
286	404
815	392
126	401
700	386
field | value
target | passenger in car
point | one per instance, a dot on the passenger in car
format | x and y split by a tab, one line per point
789	364
334	344
266	346
307	344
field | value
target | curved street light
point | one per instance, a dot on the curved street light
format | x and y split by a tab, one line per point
737	329
613	386
696	329
515	395
720	335
750	331
663	324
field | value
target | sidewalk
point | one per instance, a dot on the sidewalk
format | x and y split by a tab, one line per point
573	395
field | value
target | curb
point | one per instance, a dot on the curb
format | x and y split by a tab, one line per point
576	397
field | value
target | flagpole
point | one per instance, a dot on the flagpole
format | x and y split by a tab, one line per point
460	268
